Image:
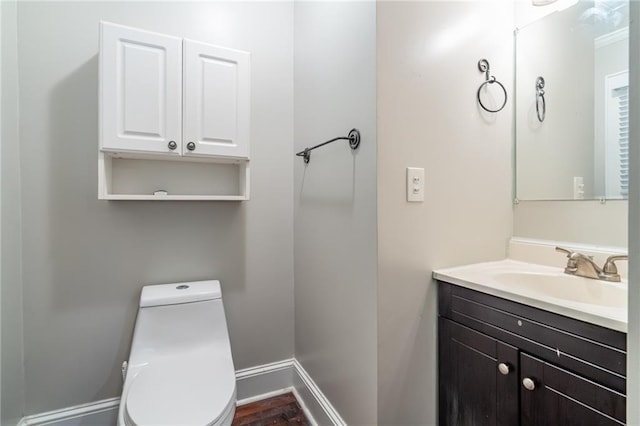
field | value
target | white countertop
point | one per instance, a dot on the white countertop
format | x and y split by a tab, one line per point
594	301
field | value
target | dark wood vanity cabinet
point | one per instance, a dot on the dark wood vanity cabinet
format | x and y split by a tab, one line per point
507	364
472	389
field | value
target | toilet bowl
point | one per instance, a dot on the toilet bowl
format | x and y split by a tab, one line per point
180	371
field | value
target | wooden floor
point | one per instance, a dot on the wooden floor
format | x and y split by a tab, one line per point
279	410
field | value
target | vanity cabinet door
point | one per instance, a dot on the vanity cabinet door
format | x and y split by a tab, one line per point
478	378
553	396
216	101
140	91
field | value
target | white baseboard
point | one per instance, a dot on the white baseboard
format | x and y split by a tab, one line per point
253	384
103	412
264	381
315	404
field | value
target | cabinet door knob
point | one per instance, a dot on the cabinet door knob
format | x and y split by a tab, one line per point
172	145
191	146
504	368
528	384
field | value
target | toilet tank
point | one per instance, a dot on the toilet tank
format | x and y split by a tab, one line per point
171	294
177	318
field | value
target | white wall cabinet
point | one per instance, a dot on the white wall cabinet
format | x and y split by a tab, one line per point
165	100
216	100
141	88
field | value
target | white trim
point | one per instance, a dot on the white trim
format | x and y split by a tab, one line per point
304	407
264	381
330	412
254	381
264	369
1	116
612	37
70	413
253	384
576	246
260	397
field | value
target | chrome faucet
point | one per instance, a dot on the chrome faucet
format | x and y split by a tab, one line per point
583	266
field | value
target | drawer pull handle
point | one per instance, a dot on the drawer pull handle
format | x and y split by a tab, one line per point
528	384
504	368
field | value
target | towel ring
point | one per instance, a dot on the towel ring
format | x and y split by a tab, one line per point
540	97
483	66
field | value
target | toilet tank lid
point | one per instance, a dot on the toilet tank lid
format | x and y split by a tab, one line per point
176	293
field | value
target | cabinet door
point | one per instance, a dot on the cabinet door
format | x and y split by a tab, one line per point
558	397
474	389
140	90
216	101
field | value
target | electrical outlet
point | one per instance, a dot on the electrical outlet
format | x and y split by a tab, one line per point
578	188
415	184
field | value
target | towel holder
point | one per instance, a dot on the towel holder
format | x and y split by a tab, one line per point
540	99
483	66
353	137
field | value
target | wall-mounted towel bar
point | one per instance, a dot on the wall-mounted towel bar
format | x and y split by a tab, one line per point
353	137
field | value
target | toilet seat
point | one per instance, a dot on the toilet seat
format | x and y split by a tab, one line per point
181	392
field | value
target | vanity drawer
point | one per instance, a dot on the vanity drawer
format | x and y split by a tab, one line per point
593	351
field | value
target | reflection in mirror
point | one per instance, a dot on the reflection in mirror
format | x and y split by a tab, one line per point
572	104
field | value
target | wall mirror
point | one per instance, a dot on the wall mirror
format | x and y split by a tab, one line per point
571	94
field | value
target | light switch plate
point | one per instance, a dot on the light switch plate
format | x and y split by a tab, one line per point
415	184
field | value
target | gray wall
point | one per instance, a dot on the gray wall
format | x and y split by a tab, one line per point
12	388
335	203
428	117
86	260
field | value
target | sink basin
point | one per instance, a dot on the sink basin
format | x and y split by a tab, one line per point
559	285
546	287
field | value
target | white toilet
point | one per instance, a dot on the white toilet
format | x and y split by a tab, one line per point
180	371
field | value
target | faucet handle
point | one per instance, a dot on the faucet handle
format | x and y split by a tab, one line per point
572	263
565	251
610	266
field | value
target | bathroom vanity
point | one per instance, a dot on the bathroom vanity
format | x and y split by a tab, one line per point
504	362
